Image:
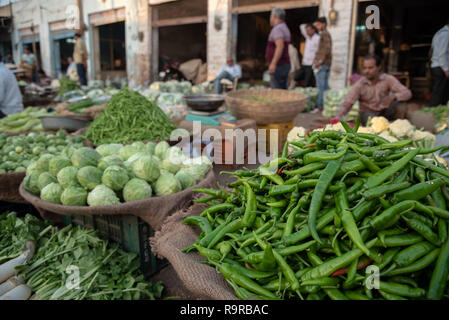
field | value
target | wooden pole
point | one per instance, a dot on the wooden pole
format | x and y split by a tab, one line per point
81	25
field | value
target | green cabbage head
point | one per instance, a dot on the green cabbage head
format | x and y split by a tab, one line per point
43	162
45	179
57	163
102	196
112	160
31	183
52	193
149	147
127	151
109	149
167	184
85	156
136	189
74	196
115	177
146	168
67	177
89	177
160	149
186	179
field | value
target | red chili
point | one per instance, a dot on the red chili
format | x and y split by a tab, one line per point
362	264
279	171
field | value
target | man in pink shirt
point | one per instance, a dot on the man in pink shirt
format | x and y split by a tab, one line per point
379	94
276	53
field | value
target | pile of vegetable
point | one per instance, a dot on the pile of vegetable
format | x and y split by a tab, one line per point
79	106
66	85
312	97
332	102
129	117
27	120
441	114
309	223
399	129
18	152
173	86
113	174
106	272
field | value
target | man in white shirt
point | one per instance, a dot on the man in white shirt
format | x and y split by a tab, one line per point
440	67
229	71
10	96
312	42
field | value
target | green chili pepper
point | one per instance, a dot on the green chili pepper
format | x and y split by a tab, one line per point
440	273
382	175
229	228
304	233
389	217
305	169
318	195
281	189
418	265
423	230
400	240
379	191
418	191
229	272
330	266
401	289
264	172
324	156
431	167
218	208
390	296
387	257
353	295
412	253
200	222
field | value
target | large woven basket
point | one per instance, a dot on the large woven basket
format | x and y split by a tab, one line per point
285	107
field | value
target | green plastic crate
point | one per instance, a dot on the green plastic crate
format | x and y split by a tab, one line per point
129	231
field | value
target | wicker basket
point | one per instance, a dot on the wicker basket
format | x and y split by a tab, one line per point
287	105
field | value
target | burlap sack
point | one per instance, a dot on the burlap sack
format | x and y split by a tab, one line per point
9	187
190	68
153	210
202	280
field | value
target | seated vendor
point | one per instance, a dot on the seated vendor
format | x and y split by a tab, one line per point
229	71
44	80
379	94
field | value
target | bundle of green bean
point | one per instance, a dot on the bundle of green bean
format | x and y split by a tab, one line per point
309	223
129	117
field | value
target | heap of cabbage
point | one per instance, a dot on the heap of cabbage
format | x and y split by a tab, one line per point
113	174
394	131
332	102
17	152
312	97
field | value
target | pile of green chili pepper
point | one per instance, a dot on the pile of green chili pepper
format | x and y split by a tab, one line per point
313	222
129	117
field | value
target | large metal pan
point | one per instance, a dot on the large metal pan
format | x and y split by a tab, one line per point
204	102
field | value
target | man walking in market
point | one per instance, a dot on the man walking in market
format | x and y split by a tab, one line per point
276	52
379	94
80	58
323	59
310	33
440	67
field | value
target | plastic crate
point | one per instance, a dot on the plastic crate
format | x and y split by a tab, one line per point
129	231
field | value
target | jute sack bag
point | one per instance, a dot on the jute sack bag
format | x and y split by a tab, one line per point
201	280
153	210
9	187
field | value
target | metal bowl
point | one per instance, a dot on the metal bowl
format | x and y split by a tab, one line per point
67	123
204	102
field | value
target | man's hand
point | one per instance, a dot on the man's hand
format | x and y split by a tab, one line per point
272	68
386	101
446	73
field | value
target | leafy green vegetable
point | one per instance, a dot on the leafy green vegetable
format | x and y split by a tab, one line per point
89	177
102	196
109	149
57	163
146	168
45	179
115	177
136	189
31	183
167	184
52	193
112	160
74	196
85	157
68	177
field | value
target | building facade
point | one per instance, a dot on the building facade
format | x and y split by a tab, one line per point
125	37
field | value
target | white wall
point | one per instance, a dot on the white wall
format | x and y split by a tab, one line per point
341	35
39	13
218	42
